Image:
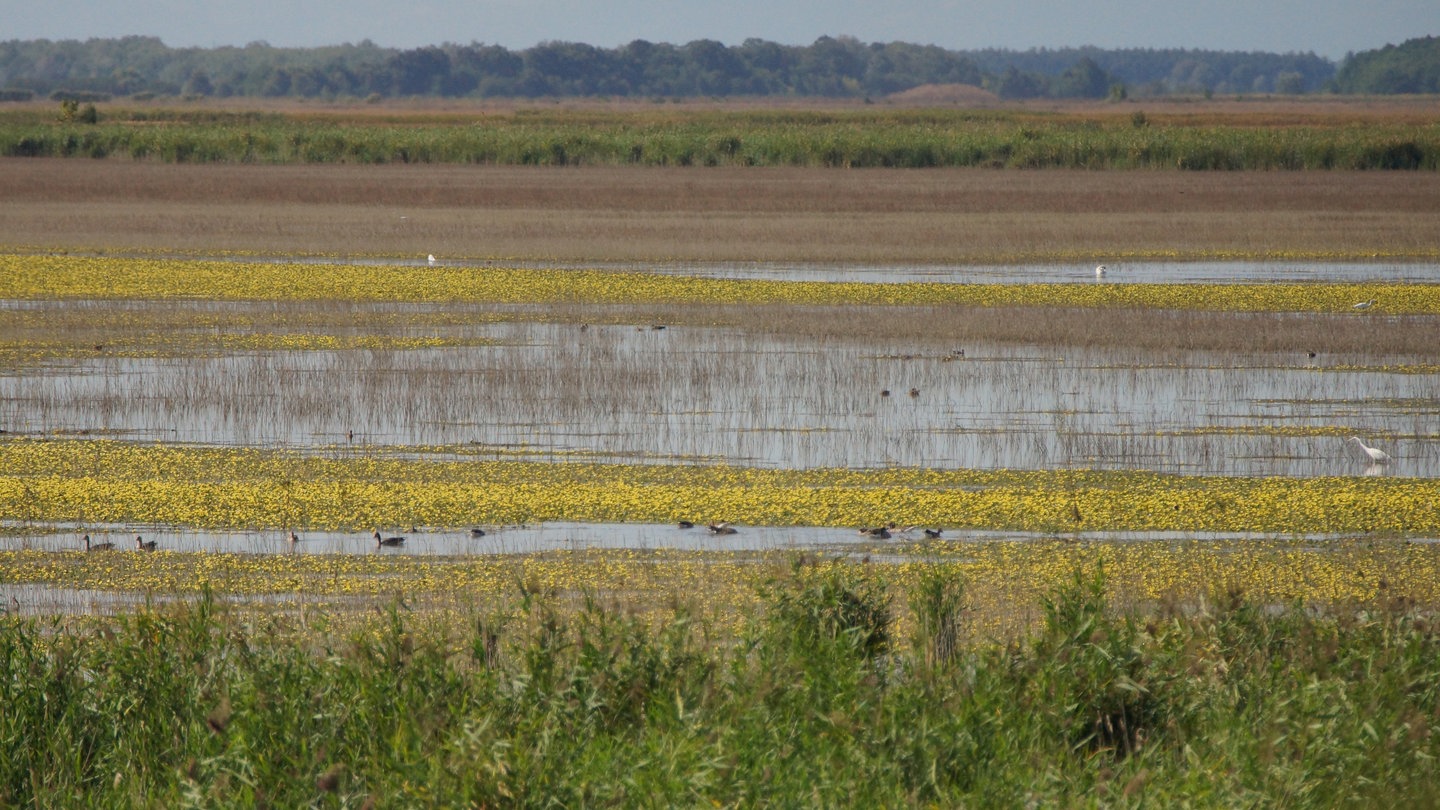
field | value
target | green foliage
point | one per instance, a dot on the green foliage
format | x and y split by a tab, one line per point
938	604
819	608
856	139
1410	67
1231	703
830	66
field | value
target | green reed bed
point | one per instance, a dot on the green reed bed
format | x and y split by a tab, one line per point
896	139
821	702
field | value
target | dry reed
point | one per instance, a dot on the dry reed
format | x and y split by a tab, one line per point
717	214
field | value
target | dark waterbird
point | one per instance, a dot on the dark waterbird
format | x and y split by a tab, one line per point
388	541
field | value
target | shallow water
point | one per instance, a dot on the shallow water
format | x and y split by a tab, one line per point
1118	272
695	393
569	536
699	394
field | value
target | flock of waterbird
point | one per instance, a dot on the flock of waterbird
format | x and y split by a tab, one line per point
141	544
880	532
1376	457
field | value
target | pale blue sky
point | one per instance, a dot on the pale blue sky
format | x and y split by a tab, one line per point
1327	27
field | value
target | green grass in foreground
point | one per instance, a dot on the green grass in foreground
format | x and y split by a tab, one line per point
820	704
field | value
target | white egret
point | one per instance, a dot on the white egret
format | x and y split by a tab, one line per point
1100	271
1377	456
1363	305
431	257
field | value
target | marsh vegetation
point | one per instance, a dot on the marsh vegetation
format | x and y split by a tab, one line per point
826	699
1158	574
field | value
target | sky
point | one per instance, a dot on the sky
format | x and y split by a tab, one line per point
1328	28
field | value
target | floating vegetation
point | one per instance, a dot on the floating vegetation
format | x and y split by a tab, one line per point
100	481
68	277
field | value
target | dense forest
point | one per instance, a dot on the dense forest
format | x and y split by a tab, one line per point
834	67
1412	67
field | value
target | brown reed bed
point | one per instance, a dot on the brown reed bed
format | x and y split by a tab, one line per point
716	214
181	328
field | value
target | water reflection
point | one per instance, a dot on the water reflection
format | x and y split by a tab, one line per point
1079	272
689	394
567	536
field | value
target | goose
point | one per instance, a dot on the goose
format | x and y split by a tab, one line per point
388	541
1377	456
143	545
294	538
97	546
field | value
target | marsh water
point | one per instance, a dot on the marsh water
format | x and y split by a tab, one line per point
698	393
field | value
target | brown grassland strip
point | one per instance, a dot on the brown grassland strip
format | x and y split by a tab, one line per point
89	329
717	214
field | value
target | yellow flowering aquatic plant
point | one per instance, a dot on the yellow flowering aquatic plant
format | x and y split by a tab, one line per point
103	481
70	277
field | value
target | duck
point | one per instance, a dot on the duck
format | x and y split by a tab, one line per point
686	524
294	538
723	527
477	532
388	541
97	546
143	545
933	534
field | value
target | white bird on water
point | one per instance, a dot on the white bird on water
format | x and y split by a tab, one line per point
1377	456
431	257
1364	304
1100	271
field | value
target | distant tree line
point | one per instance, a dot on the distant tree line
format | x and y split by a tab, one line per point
831	66
1411	67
